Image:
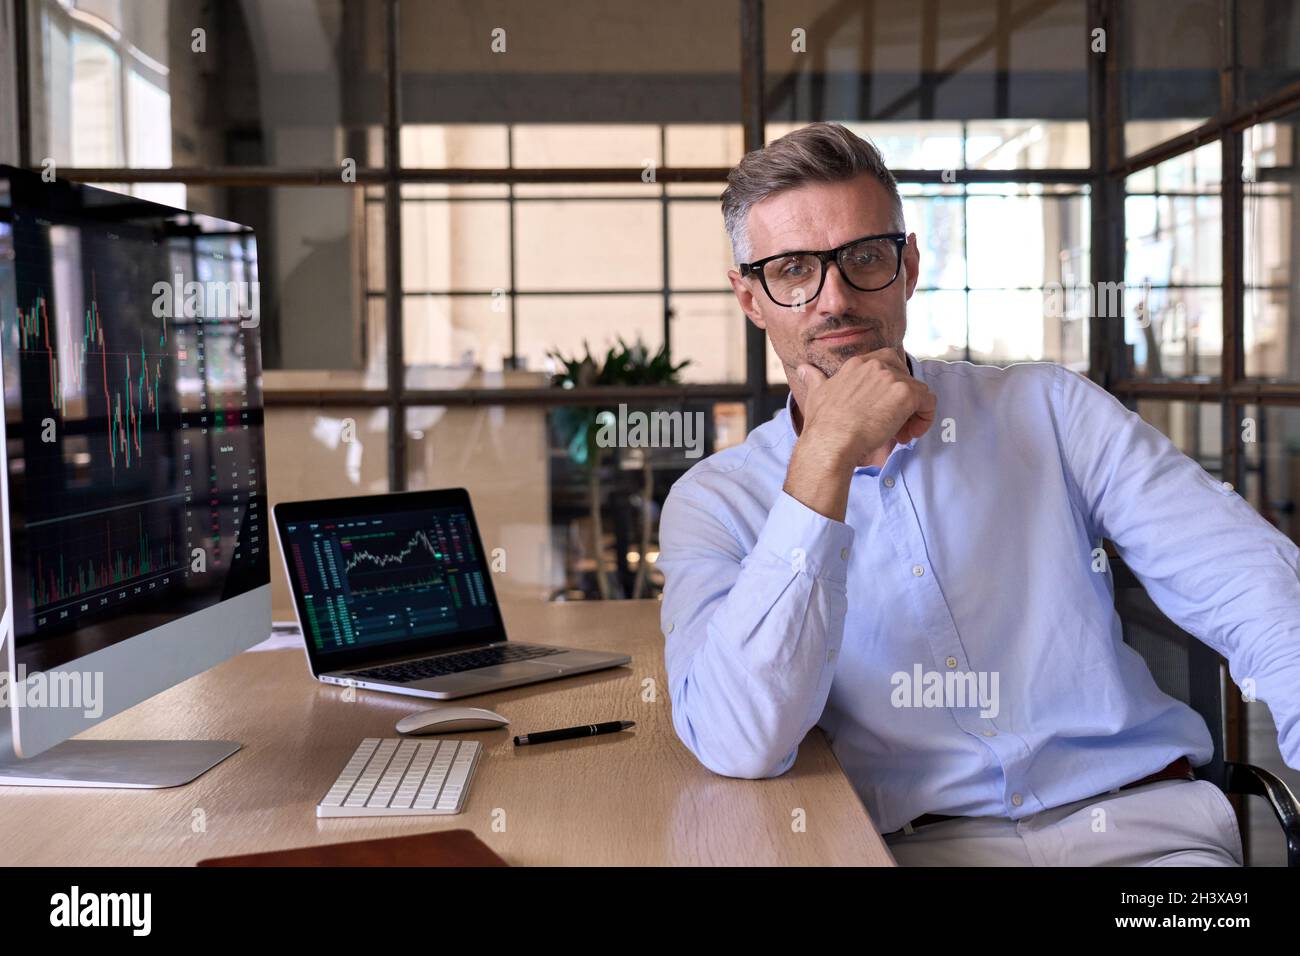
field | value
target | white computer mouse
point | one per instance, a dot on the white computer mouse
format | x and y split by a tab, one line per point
446	720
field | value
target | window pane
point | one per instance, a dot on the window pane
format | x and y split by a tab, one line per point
581	245
311	248
533	496
1267	34
149	107
455	145
698	247
1026	241
262	83
1272	291
1271	442
315	255
376	265
502	453
1173	333
936	325
703	144
1194	427
322	453
710	331
469	333
729	425
455	246
1170	68
974	144
564	323
632	188
937	219
1173	268
924	61
1012	326
578	62
96	133
617	145
1026	144
1173	240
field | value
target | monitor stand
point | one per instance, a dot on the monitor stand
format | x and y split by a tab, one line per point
128	764
108	764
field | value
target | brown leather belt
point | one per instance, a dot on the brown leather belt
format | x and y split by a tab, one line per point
1180	769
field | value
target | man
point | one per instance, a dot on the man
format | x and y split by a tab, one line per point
907	557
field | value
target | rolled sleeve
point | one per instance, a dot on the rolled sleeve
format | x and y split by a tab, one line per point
751	633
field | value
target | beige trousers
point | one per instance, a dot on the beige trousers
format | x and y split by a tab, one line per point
1166	823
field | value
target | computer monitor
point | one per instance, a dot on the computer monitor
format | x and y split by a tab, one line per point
133	487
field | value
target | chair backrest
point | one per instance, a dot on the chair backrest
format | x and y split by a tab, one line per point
1182	666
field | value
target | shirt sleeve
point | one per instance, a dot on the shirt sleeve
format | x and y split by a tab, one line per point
751	636
1204	555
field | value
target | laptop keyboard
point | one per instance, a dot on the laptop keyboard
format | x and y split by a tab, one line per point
408	671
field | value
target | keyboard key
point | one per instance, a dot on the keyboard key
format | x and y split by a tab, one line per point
403	776
393	775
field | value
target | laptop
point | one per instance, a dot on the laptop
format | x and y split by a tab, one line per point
394	593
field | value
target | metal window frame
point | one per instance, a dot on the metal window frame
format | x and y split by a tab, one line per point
1104	177
1231	391
396	397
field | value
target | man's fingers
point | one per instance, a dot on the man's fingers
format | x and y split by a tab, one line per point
810	375
888	356
921	419
914	427
928	404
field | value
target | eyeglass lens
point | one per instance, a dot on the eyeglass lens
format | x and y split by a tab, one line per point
869	265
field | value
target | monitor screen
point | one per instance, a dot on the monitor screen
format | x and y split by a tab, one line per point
133	415
373	578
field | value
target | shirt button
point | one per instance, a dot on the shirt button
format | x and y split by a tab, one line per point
670	627
889	482
918	570
830	656
990	733
844	554
1017	799
951	662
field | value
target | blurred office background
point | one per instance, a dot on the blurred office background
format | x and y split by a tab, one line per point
448	191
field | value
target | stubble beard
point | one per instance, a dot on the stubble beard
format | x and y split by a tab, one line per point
830	359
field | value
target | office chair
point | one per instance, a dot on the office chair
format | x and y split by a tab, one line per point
1190	671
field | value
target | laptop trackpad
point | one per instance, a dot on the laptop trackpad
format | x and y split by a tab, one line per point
510	671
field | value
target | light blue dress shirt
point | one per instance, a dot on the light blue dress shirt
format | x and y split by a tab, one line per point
970	551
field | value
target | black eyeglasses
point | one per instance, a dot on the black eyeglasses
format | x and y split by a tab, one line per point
792	279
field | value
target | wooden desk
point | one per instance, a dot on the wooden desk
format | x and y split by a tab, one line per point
639	798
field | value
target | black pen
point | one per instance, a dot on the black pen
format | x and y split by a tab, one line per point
568	733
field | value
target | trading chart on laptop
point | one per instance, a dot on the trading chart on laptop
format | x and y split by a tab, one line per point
390	578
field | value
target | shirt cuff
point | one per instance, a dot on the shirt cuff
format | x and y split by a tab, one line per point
807	541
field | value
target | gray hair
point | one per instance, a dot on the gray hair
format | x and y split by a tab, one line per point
819	153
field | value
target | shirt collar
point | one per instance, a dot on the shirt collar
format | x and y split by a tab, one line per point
913	366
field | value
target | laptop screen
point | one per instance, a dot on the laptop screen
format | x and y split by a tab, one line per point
387	576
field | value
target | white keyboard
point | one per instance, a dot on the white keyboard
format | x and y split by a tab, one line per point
401	776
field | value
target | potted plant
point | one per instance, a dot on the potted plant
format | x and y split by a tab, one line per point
626	365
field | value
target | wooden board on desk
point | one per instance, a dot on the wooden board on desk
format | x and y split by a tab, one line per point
637	798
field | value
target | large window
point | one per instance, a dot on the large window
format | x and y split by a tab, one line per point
1173	267
1270	244
447	193
1208	349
